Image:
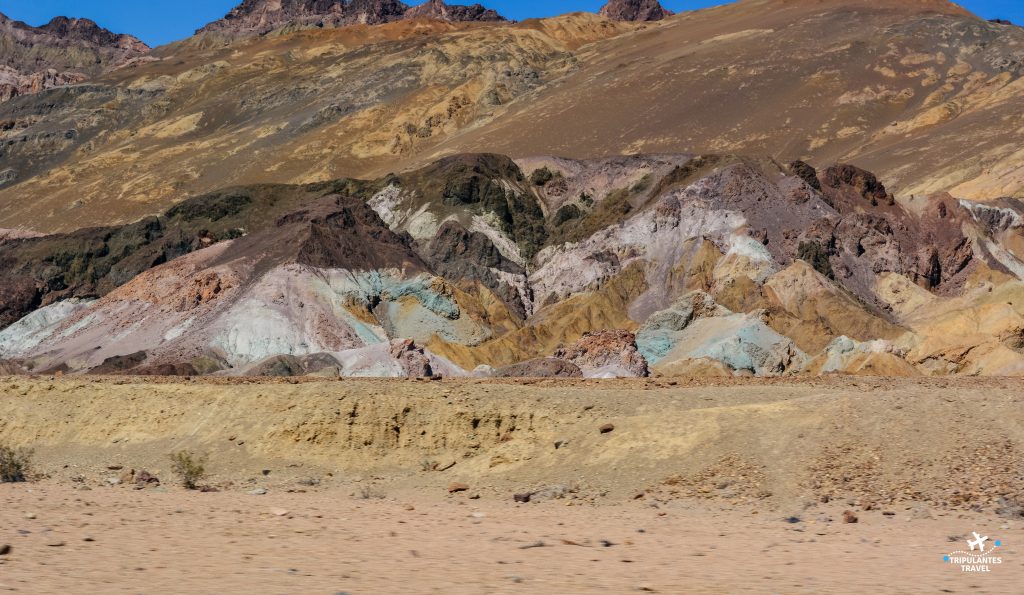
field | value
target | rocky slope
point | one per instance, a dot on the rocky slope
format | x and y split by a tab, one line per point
61	52
480	264
635	10
880	91
259	17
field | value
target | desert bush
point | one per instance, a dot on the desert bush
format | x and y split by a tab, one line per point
189	467
14	464
370	493
541	176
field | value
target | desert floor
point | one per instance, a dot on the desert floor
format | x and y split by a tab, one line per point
408	487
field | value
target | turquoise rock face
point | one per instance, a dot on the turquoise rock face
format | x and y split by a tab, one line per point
696	327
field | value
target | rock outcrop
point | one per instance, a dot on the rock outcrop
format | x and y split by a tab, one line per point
725	265
606	354
259	17
439	10
635	10
62	52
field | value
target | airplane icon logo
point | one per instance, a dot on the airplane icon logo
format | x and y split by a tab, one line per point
978	542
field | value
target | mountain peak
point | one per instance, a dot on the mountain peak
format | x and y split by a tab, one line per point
438	9
635	10
86	30
263	16
62	52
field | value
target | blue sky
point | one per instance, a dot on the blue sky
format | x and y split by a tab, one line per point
161	21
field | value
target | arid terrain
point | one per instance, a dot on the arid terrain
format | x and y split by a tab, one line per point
360	296
355	485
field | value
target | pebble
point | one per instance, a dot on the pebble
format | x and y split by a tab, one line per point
5	549
258	492
607	428
278	512
30	515
456	486
850	517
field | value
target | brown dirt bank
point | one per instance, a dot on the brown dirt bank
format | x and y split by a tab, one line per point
783	444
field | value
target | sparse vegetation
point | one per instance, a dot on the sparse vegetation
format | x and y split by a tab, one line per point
15	464
815	255
370	493
541	176
189	467
565	214
642	184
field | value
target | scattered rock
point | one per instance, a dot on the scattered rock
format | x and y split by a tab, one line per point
524	497
607	428
30	515
258	492
850	517
634	10
5	550
456	487
279	512
145	478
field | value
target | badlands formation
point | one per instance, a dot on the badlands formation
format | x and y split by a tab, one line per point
364	188
629	301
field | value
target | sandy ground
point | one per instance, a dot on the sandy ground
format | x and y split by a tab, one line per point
331	487
119	540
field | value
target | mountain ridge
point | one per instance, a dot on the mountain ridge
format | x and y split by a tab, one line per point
61	52
259	17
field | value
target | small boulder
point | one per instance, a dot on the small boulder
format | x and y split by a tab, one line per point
456	487
607	428
850	517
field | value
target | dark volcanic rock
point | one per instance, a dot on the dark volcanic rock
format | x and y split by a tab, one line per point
864	182
259	17
438	9
806	173
37	271
120	364
635	10
334	232
486	183
456	253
